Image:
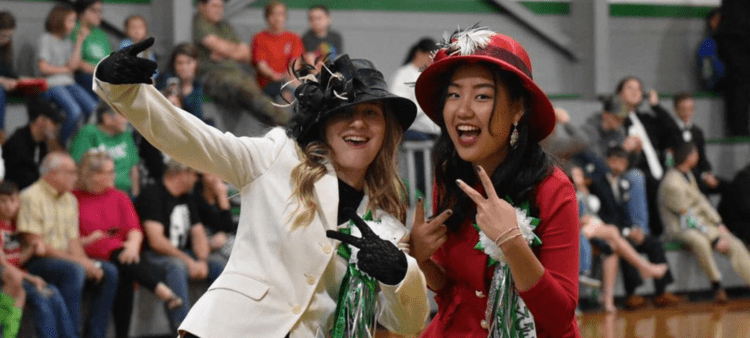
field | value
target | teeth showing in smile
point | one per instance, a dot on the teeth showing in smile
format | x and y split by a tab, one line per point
464	128
355	139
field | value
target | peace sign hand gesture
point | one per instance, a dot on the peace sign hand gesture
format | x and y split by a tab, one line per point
125	67
495	216
377	257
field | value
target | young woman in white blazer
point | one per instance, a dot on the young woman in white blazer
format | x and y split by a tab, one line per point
285	273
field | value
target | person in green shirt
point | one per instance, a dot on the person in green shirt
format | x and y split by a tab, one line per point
111	134
95	46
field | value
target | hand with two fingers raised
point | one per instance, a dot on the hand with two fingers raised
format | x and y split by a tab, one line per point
427	236
495	216
377	257
125	67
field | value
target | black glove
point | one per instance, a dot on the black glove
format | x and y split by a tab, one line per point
124	67
377	257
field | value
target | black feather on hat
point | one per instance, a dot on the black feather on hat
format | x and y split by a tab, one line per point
339	85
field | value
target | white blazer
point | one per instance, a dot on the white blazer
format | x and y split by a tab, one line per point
273	272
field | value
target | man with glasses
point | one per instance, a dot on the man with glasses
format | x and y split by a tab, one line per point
48	222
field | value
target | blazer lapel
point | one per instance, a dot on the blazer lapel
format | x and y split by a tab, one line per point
327	192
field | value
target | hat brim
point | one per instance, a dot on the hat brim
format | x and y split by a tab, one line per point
403	109
429	88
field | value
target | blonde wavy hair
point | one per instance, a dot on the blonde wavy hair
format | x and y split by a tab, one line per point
383	186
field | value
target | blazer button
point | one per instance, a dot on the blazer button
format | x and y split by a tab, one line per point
296	309
310	279
483	324
327	249
479	294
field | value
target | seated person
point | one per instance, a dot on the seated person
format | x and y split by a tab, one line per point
24	150
136	30
110	232
175	238
601	132
57	59
684	130
273	52
52	319
11	84
8	77
179	83
320	41
614	191
734	207
96	44
48	218
690	218
212	202
110	133
592	227
221	55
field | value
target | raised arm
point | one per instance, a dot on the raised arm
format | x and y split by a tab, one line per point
123	80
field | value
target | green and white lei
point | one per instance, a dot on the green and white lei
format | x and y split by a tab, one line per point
507	315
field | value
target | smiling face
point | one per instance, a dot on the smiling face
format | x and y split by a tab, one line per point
478	115
355	137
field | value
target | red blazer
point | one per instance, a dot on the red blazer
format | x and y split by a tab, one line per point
552	301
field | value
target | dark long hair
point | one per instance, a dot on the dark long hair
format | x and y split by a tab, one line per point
525	166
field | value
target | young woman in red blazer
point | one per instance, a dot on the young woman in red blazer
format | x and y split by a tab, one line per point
505	264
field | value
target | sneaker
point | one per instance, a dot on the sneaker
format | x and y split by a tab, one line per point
635	302
588	281
667	299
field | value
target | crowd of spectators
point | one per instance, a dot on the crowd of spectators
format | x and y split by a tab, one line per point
641	175
649	174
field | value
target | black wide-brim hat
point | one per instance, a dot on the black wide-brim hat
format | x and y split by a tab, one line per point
339	85
477	45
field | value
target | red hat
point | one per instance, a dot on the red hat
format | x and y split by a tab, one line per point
479	44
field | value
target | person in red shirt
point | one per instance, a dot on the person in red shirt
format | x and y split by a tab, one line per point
505	263
273	50
110	231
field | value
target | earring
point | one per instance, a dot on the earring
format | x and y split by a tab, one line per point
514	136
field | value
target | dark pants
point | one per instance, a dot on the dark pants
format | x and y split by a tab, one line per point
734	50
239	90
652	247
146	273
